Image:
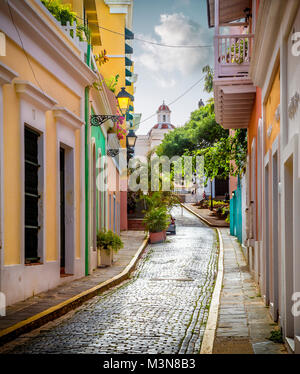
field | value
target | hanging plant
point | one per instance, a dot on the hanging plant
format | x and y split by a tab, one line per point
102	58
121	133
112	82
237	53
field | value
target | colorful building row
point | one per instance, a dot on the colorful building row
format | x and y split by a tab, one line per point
53	197
256	86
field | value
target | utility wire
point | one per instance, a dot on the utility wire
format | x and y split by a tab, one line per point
146	119
21	41
150	42
172	46
178	98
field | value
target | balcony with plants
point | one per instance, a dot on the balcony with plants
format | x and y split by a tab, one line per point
233	44
75	31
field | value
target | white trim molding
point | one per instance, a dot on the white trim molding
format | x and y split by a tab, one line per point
34	95
45	40
6	74
118	6
66	117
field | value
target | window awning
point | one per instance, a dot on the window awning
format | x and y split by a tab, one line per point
129	35
128	49
128	62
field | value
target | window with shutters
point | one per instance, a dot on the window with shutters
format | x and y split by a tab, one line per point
32	196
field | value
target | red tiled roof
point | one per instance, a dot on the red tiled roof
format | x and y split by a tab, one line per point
164	107
163	126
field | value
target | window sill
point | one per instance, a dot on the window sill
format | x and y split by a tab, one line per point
34	264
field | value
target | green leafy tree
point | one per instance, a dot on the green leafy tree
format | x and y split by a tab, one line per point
225	157
209	78
199	132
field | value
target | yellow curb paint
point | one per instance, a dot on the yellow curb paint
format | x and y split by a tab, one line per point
211	325
61	305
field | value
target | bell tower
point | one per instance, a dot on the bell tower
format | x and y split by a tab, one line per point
163	114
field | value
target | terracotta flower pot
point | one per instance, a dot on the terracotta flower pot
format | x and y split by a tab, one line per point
157	237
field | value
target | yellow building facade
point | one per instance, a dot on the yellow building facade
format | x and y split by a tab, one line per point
43	77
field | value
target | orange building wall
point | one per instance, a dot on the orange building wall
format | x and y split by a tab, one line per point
252	133
270	108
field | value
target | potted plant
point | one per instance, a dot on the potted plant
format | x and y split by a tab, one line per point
107	243
156	221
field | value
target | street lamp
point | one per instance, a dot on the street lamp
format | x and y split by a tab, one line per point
123	98
130	143
131	139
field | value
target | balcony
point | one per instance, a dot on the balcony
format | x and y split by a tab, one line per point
233	89
233	55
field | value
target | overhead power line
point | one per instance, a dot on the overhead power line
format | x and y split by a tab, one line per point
22	45
172	46
151	42
178	98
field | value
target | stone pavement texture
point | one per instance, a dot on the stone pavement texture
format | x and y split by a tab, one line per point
244	323
208	216
37	304
163	308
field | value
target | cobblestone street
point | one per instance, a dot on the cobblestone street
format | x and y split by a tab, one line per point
163	308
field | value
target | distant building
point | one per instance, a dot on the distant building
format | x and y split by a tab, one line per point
155	136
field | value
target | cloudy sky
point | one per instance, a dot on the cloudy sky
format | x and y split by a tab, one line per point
166	73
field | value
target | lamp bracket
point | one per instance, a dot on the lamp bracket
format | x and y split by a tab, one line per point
99	119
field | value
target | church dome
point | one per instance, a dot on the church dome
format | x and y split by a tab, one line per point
163	108
163	119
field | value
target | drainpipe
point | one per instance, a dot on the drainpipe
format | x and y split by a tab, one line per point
86	162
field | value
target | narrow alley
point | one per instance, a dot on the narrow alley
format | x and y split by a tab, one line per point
163	308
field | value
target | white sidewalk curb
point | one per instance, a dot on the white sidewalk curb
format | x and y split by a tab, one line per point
211	325
212	321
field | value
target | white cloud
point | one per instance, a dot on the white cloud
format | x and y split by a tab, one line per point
164	82
176	29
